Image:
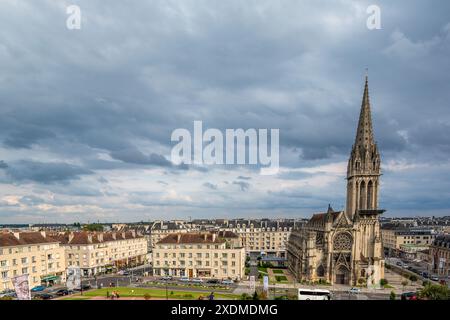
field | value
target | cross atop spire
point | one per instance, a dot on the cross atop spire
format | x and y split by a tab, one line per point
364	134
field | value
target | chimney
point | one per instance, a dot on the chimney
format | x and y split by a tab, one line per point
178	237
100	236
114	236
133	233
205	236
213	237
43	234
71	235
17	235
89	238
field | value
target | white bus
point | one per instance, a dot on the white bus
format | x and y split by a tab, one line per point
314	294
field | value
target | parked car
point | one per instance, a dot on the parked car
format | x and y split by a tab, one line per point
8	293
434	278
44	296
166	278
126	273
212	281
409	296
354	290
227	281
197	280
184	279
424	274
61	292
37	289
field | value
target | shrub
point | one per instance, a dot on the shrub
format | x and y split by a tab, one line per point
392	296
277	271
413	278
383	282
435	292
280	278
147	296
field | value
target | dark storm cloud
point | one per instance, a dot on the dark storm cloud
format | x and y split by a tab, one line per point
243	186
137	157
44	172
210	185
109	95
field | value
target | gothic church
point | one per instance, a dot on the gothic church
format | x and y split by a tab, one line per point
344	247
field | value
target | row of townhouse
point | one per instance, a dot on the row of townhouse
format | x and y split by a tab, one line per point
45	256
262	236
100	252
33	253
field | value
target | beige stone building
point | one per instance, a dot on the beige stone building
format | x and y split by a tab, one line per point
344	247
399	241
161	229
263	237
32	253
99	252
440	255
198	255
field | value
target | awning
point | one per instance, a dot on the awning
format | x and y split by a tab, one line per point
50	278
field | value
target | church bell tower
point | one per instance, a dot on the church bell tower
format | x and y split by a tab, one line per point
363	170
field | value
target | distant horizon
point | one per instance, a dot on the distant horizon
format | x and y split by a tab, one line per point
187	220
87	112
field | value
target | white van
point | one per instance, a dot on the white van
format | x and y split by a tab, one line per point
314	294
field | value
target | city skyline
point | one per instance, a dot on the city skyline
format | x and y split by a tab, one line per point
87	114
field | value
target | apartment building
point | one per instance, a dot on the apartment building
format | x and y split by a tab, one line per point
100	252
32	253
198	255
161	229
262	237
402	241
440	255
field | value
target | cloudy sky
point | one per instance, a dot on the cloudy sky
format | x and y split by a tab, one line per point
86	115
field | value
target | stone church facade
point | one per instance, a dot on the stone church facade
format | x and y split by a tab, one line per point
344	247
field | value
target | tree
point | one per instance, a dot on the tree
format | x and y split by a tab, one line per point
404	284
392	296
413	278
93	227
435	292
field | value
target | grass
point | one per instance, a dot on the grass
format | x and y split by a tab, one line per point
277	271
77	298
262	269
158	293
280	278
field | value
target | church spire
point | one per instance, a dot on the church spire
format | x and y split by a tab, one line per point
363	168
364	133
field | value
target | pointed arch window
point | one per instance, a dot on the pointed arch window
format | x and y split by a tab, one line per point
369	195
362	195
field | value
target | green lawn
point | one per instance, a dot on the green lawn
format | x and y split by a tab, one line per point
157	293
262	269
280	278
279	271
